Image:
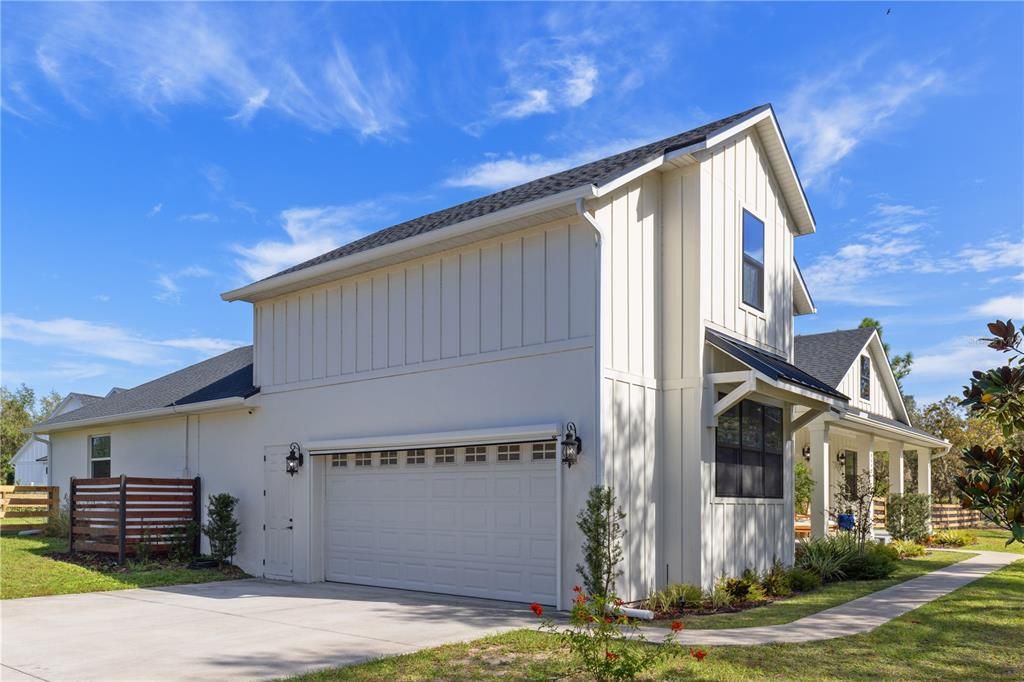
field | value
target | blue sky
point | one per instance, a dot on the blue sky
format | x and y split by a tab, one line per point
154	156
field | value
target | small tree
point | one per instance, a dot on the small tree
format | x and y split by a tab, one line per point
222	527
906	516
854	496
600	522
993	479
803	487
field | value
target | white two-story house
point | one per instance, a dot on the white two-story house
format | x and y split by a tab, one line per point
428	374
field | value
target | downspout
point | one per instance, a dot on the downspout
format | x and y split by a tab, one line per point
581	210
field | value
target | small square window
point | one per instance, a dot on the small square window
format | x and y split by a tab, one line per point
364	459
389	458
444	456
339	460
476	453
415	457
545	450
508	453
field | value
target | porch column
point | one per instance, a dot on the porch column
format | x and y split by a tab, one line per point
866	465
924	476
896	469
818	432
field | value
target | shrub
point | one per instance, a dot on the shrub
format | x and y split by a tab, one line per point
675	596
826	556
874	562
600	521
222	527
720	598
606	643
906	548
738	589
756	594
906	516
183	542
802	580
774	582
952	538
803	487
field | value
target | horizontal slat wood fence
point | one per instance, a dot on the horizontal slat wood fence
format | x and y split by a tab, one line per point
116	515
954	516
28	502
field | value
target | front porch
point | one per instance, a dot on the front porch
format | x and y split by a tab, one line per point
843	446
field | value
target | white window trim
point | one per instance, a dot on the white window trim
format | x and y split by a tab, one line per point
738	286
88	454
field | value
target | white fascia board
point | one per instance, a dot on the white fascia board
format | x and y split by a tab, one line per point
803	303
222	404
629	176
337	267
502	434
896	432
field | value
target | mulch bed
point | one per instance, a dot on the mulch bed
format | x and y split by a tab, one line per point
107	563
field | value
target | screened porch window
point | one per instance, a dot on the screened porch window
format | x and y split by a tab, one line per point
753	261
99	456
748	451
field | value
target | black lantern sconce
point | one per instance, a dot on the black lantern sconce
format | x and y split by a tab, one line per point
572	446
806	452
841	457
294	459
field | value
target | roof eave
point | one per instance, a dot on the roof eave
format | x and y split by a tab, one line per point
221	404
338	267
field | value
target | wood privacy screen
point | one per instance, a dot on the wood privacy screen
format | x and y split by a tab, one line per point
29	502
116	515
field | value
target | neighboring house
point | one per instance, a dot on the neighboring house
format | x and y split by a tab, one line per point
31	466
842	445
428	373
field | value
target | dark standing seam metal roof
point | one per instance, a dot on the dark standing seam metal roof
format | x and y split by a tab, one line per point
594	173
830	356
768	364
227	375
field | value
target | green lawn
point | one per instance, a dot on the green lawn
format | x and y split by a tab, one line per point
994	540
974	633
833	594
26	571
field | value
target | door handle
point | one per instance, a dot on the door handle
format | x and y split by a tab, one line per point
290	528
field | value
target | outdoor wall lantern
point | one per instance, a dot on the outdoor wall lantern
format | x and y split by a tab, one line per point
841	457
806	452
572	446
294	459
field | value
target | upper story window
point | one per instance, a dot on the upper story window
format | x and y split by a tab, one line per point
865	377
753	261
99	456
748	451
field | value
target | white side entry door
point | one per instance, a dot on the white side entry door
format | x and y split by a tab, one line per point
278	530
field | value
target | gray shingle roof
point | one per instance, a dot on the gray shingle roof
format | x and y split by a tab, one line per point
770	365
85	398
829	356
224	376
594	173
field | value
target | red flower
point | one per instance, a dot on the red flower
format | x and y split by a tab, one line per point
537	608
610	656
608	619
676	626
581	599
699	654
577	588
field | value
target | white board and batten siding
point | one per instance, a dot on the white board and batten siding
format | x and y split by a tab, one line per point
740	533
630	217
524	290
879	401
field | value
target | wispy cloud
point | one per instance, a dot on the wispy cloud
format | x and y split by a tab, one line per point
153	211
97	339
540	84
161	56
499	172
1002	307
199	218
828	116
950	358
310	231
169	283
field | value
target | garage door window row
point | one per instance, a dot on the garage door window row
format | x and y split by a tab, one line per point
472	454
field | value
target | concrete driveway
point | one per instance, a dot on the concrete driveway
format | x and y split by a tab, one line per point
243	629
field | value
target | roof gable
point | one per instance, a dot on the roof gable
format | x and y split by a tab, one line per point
594	177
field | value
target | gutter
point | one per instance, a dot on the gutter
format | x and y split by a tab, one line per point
337	267
234	402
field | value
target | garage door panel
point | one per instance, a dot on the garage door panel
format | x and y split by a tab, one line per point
479	527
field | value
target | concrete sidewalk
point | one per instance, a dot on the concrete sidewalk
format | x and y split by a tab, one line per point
857	616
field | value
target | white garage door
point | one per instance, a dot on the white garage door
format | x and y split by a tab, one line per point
476	521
